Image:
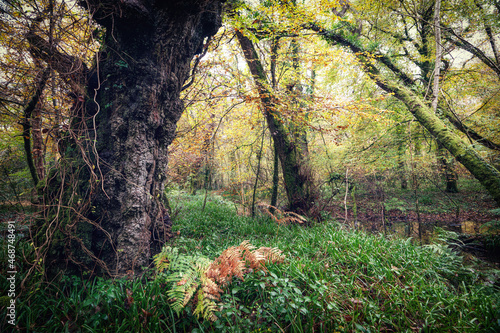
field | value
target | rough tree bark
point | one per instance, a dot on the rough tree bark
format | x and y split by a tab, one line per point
149	47
132	109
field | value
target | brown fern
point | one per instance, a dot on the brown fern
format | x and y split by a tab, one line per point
282	217
227	265
234	261
271	254
237	260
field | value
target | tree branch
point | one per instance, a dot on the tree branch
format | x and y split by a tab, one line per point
41	80
462	43
452	118
384	59
489	33
71	67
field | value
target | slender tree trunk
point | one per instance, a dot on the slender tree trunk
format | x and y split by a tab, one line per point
439	55
28	124
447	169
38	149
297	176
489	32
401	170
402	175
257	173
274	192
28	152
446	165
276	179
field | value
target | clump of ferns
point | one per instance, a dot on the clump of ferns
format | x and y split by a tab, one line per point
200	281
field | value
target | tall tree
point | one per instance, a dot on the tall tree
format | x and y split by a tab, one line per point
288	141
448	172
279	98
129	119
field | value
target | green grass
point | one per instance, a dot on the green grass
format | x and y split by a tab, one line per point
333	280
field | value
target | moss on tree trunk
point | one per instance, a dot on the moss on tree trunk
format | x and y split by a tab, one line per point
297	175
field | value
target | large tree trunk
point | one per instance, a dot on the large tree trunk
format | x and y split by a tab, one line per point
130	118
150	48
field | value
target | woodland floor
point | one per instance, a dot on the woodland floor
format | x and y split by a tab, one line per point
464	212
371	213
392	211
336	278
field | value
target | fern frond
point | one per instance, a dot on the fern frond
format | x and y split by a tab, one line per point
253	258
205	307
294	217
188	294
227	265
210	287
267	209
190	275
183	284
271	254
162	260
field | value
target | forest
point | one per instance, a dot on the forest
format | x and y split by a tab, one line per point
250	166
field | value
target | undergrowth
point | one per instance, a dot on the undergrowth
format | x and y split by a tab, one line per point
332	280
198	280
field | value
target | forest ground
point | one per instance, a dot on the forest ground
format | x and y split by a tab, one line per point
381	206
334	278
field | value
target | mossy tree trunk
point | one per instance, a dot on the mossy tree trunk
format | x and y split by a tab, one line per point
487	175
463	152
297	175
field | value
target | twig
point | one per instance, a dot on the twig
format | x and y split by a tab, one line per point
346	191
